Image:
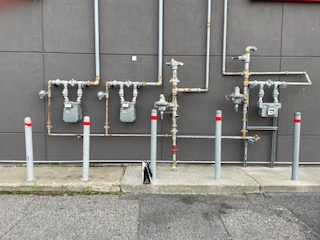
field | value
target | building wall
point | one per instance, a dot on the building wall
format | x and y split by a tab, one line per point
54	39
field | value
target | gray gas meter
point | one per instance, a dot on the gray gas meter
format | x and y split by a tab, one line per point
72	112
128	112
269	109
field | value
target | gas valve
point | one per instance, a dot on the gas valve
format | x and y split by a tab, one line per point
236	98
162	105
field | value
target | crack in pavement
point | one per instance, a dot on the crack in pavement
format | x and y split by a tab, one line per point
26	209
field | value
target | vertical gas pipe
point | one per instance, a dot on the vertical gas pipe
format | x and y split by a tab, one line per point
174	129
160	41
174	82
86	148
246	77
208	45
153	155
29	148
296	145
218	145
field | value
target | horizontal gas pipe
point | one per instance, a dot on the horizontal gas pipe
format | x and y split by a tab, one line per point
224	54
255	138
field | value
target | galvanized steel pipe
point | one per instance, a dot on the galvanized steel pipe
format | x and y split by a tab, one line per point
160	42
97	40
208	45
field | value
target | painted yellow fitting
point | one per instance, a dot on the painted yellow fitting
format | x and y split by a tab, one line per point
256	138
95	82
244	133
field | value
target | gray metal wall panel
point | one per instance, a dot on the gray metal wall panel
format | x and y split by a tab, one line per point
12	146
309	148
189	149
130	28
64	148
254	23
21	28
111	148
301	31
186	27
216	27
261	150
122	148
303	99
21	77
68	26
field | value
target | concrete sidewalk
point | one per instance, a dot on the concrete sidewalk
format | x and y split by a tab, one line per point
188	179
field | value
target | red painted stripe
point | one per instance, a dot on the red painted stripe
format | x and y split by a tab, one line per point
174	149
154	117
218	118
86	123
28	124
297	121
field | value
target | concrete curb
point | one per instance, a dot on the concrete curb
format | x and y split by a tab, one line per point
61	180
188	179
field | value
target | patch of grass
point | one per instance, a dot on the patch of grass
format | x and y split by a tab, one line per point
35	188
61	165
63	191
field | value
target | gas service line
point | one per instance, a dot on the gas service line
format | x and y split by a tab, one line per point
224	55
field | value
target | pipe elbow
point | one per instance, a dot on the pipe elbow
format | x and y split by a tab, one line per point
308	78
251	48
159	83
96	81
93	83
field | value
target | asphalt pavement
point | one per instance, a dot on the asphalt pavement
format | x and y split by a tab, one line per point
146	216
